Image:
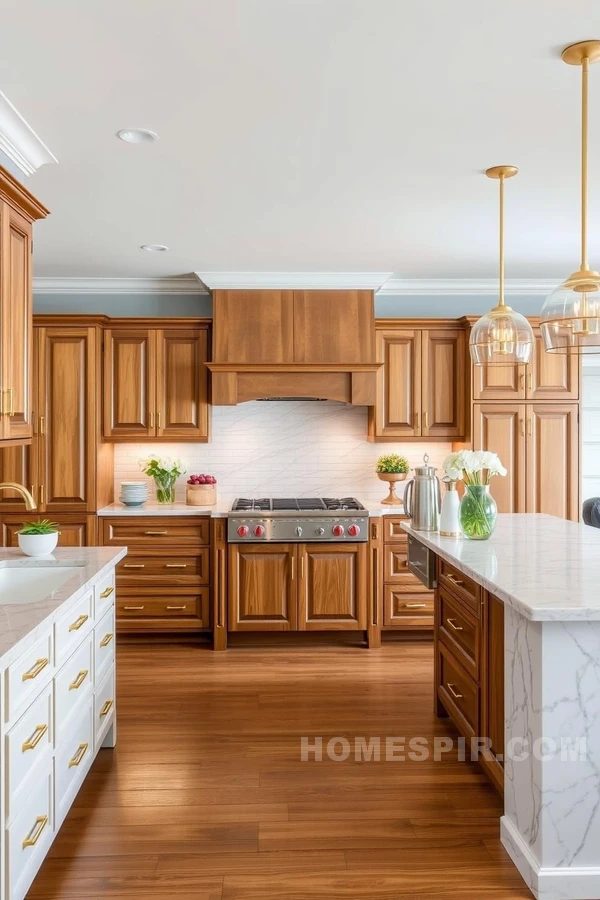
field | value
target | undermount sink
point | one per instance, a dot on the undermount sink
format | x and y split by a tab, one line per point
24	584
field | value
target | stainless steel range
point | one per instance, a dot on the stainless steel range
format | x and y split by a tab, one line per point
297	519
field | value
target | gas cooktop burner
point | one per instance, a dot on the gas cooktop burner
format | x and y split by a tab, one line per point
296	504
289	519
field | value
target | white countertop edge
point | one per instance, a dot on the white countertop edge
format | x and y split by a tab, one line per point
218	511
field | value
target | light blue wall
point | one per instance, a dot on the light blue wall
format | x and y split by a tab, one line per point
450	307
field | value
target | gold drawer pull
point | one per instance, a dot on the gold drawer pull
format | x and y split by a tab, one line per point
176	566
77	624
32	742
453	691
106	639
133	607
134	566
34	835
414	605
455	580
106	593
106	708
35	670
81	751
178	607
156	532
454	626
11	395
75	685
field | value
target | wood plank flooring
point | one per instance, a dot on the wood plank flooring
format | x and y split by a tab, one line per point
206	796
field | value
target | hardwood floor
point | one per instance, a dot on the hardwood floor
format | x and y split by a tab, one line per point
206	796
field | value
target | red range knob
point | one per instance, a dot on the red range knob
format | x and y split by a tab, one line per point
243	531
259	530
338	530
353	530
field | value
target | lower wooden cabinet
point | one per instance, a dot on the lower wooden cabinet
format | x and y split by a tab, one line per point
492	689
407	603
75	530
297	587
162	608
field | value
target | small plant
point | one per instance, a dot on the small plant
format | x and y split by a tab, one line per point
42	526
393	464
165	472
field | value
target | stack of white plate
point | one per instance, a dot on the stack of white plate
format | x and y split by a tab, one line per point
133	493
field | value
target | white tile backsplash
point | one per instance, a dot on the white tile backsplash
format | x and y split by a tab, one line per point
283	448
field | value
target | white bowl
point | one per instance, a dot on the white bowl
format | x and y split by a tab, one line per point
38	544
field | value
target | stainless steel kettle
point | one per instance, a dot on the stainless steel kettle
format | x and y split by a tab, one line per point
423	498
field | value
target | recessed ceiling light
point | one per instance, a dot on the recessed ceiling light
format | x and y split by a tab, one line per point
154	248
137	135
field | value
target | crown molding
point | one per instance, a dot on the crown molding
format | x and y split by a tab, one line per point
466	287
19	142
180	284
368	281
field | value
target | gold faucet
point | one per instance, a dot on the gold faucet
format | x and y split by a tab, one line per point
27	497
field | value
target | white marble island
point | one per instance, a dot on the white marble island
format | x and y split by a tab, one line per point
546	571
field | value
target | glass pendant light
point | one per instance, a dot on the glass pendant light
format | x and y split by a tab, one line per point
502	337
570	318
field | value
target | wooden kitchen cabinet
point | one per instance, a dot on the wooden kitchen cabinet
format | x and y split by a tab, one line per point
18	210
407	603
263	587
155	382
500	428
253	326
75	530
332	589
397	413
443	383
333	326
492	689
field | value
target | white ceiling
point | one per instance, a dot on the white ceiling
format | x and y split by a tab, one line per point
304	135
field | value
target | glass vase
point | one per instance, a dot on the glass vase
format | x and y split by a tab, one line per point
165	488
478	512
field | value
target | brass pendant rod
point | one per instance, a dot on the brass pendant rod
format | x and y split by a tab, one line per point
501	297
584	160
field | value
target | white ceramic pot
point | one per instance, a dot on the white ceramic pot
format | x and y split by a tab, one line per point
38	544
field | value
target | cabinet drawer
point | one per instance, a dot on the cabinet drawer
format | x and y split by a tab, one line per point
104	595
72	686
104	707
30	835
71	629
26	745
150	531
392	529
144	605
458	692
402	610
73	760
460	631
26	677
166	565
460	585
396	571
104	645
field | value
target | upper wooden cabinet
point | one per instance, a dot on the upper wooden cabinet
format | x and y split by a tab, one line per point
18	210
156	382
421	385
333	327
253	326
548	376
501	428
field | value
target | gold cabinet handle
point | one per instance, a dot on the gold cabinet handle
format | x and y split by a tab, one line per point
34	835
176	566
156	532
416	421
530	382
292	567
414	606
106	708
455	580
75	685
107	639
151	420
79	621
11	402
426	420
178	607
81	751
522	380
133	607
32	742
454	626
374	532
42	426
134	566
106	593
453	691
158	419
302	567
522	425
530	426
41	494
35	670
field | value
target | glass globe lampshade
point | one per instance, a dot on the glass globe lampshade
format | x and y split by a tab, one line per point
570	318
501	337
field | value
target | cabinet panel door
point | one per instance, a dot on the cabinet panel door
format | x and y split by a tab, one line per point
333	327
253	326
407	611
16	321
499	382
443	400
20	464
262	587
75	531
552	376
397	412
500	427
129	383
181	403
67	388
332	587
553	460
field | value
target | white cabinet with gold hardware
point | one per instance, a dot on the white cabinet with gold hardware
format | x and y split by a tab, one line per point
59	710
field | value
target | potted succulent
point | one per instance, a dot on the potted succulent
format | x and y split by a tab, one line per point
201	490
38	538
165	473
392	468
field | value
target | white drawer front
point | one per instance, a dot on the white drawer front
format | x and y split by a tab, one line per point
26	677
73	761
104	593
28	741
104	645
29	836
73	626
73	684
104	707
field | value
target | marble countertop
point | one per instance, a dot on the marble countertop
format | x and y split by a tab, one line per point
20	623
545	567
220	509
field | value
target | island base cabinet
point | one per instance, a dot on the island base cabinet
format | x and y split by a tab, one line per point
29	836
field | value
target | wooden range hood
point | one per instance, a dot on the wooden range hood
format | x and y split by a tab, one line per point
293	344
